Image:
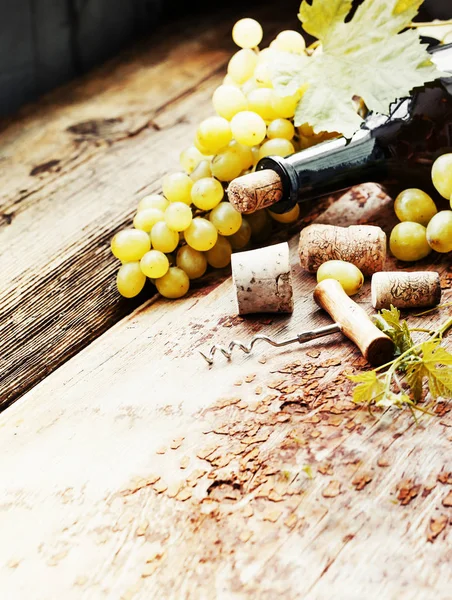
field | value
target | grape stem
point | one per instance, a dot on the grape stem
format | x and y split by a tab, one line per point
391	374
314	45
429	24
426	312
437	333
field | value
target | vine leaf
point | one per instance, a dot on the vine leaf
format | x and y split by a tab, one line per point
369	387
436	366
366	56
389	322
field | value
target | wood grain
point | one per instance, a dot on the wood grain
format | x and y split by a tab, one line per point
45	43
256	478
72	170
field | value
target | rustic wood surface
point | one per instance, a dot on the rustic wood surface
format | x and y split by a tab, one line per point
47	42
136	471
256	478
72	170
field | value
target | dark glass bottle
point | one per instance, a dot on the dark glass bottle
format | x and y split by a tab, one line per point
397	148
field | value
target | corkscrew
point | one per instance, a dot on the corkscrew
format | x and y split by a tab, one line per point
305	336
350	319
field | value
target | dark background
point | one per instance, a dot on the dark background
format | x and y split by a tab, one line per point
44	43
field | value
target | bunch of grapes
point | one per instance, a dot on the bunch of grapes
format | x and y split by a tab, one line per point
178	234
422	228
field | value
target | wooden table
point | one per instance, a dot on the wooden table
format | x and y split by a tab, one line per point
129	468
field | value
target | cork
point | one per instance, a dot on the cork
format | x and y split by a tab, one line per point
262	280
255	191
416	289
362	245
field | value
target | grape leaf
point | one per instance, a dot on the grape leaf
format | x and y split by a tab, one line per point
391	399
282	68
369	387
389	322
436	365
319	18
365	57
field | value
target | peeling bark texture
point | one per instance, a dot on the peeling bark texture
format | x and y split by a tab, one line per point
415	289
262	280
257	479
362	245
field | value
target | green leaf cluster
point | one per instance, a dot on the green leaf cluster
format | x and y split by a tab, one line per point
371	56
401	382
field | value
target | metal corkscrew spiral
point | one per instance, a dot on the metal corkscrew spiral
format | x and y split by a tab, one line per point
246	348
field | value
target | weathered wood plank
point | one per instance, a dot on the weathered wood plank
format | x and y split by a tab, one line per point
126	476
73	169
45	43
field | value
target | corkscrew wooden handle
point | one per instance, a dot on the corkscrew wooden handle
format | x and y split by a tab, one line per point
376	347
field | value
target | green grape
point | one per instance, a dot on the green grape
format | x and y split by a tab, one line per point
289	41
240	238
225	218
267	55
228	100
242	64
248	128
263	75
178	216
201	235
285	106
154	264
245	153
408	241
130	280
288	217
439	231
146	219
174	284
414	205
442	175
220	255
153	201
177	187
276	147
190	159
207	193
226	165
247	33
163	238
202	170
193	262
255	153
348	275
249	86
260	102
214	133
280	128
261	225
130	245
199	146
227	80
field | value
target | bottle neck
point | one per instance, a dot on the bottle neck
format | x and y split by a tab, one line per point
328	167
400	147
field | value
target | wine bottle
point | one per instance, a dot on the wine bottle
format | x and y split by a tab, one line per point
399	147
